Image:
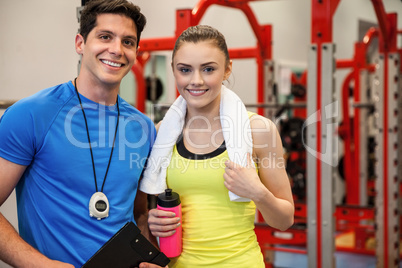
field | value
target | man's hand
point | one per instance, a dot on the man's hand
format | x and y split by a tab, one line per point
150	265
58	264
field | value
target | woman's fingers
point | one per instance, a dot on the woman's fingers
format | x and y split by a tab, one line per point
162	223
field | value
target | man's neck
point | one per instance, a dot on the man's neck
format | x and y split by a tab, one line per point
99	93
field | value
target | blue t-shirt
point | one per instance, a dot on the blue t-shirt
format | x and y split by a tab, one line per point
46	132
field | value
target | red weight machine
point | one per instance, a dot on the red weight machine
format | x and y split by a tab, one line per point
322	217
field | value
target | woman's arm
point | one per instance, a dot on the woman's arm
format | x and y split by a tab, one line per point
162	223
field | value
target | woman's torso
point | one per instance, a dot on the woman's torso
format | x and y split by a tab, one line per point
216	231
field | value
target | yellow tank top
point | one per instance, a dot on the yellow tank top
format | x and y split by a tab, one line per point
216	231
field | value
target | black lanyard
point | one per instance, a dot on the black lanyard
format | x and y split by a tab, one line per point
89	140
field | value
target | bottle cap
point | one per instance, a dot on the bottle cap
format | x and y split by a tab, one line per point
168	199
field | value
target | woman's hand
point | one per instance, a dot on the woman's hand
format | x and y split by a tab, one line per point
242	181
162	223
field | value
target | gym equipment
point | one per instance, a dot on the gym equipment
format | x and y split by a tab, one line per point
320	75
291	132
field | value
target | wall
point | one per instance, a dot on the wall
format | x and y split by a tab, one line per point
37	47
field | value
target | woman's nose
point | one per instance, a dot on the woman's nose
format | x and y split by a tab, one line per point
197	79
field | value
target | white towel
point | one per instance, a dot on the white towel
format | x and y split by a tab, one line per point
235	129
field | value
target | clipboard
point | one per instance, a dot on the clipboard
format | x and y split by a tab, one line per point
127	249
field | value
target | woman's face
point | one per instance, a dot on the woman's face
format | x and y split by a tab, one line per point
199	70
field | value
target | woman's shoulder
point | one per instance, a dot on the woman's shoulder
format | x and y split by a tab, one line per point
260	122
158	125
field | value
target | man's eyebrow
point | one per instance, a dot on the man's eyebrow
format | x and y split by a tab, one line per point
105	32
112	33
131	37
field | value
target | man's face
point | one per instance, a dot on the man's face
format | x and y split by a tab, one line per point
110	49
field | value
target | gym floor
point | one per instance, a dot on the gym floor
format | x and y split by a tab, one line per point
342	260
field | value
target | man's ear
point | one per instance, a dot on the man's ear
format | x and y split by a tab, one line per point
79	44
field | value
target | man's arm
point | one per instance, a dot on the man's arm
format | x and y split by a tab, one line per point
13	249
141	216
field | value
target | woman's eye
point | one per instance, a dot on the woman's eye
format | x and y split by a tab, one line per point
209	69
184	70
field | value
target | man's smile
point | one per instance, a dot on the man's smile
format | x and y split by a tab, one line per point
111	63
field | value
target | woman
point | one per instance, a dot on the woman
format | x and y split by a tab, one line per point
218	232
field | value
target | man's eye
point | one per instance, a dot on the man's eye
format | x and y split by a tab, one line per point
129	43
104	37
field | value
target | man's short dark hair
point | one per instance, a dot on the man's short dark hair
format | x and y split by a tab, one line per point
121	7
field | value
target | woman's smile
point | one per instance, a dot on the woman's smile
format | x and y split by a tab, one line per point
197	92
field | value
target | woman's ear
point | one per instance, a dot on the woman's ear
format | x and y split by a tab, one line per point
228	71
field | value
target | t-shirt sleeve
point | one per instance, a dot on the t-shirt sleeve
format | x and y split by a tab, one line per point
17	143
152	136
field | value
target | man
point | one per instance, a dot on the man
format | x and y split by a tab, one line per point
75	152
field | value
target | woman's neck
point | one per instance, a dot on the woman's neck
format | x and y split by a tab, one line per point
207	115
202	131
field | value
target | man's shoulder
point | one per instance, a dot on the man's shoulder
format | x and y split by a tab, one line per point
39	107
131	111
25	124
132	114
53	95
45	99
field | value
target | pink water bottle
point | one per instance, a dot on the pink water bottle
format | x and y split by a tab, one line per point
171	245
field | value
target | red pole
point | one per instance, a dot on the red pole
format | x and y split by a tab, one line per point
349	162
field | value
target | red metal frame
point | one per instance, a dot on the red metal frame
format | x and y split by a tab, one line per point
347	220
267	235
351	134
302	80
138	71
346	131
322	13
388	44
